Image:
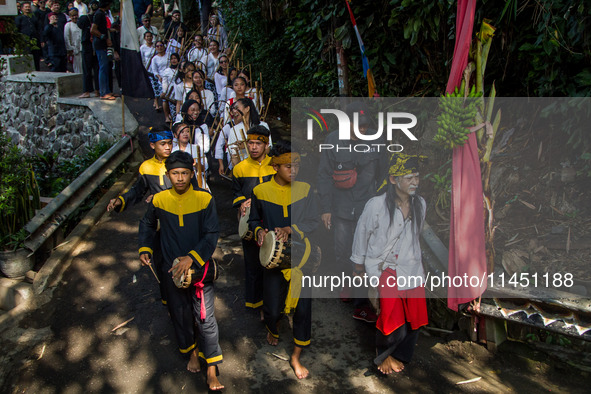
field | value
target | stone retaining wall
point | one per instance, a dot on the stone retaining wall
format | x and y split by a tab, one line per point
35	120
41	114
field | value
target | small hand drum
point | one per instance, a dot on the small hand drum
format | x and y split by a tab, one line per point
194	276
275	253
243	230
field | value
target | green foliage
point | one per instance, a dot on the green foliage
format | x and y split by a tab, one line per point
442	186
543	47
54	176
586	170
19	194
571	115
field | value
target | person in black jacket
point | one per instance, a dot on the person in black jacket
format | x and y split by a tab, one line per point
61	17
342	204
56	45
247	174
189	234
27	25
40	14
89	60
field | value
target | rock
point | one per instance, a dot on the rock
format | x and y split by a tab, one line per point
80	151
30	130
28	117
52	136
67	137
60	130
56	146
66	153
75	141
22	129
15	136
51	123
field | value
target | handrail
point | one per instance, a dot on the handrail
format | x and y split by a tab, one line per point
50	218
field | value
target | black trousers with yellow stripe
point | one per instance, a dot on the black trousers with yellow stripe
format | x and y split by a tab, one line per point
275	290
180	307
253	273
208	332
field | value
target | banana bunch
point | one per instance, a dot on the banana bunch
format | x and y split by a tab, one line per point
457	114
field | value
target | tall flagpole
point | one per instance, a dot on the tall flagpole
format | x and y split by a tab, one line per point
121	87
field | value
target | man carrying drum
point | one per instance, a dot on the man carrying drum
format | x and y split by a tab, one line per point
246	175
152	179
290	210
190	232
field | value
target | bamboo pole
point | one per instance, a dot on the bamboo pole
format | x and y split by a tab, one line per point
267	108
198	165
123	114
232	54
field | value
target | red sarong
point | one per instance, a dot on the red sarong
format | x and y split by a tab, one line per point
400	306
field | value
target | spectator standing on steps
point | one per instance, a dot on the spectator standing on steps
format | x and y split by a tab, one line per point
101	42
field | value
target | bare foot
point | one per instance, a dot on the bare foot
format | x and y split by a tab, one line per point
193	365
390	365
262	315
300	371
212	380
84	95
398	365
272	340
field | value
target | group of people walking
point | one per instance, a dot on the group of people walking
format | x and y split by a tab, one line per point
212	117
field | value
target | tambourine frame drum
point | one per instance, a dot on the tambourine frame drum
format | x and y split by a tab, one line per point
195	276
275	253
243	230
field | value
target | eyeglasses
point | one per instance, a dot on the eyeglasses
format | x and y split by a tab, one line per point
159	45
223	61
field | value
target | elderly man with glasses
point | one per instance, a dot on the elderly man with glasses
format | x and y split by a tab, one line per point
145	27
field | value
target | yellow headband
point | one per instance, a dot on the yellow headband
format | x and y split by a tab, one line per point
258	137
286	158
403	165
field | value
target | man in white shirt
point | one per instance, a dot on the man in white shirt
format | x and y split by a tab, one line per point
386	249
146	26
73	39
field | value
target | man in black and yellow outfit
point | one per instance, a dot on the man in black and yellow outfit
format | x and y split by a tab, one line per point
152	179
247	174
190	232
289	208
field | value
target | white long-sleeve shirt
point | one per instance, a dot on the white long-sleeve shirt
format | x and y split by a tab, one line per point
212	65
379	245
159	64
228	136
201	139
199	57
142	30
208	100
81	7
73	37
147	53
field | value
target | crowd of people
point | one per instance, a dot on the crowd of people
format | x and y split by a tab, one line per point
212	117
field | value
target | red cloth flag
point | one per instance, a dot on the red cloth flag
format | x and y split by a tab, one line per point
467	250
